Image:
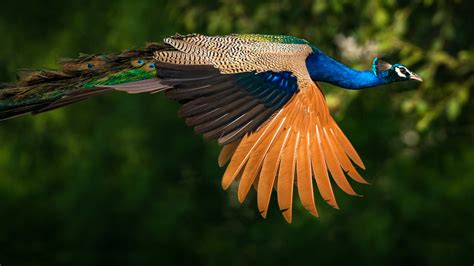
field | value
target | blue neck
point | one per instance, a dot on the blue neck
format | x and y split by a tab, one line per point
323	68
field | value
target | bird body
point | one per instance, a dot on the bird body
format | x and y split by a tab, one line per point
256	94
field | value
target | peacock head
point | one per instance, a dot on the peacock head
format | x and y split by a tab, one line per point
393	73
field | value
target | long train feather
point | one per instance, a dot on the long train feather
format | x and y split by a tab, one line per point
76	79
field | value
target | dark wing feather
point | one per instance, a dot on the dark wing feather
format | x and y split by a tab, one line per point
225	106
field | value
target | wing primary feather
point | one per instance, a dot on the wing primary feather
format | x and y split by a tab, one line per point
303	168
227	152
319	167
286	177
334	167
255	161
269	172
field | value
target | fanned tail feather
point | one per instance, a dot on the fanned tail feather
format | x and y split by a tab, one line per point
37	91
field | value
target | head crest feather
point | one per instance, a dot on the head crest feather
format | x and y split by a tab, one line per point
379	65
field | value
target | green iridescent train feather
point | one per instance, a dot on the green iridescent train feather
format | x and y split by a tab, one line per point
35	89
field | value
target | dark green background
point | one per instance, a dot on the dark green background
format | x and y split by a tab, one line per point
120	180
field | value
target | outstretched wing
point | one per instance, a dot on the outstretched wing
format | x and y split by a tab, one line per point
257	99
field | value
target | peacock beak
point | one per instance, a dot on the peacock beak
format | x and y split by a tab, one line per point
416	77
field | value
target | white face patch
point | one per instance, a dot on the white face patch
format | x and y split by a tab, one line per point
399	73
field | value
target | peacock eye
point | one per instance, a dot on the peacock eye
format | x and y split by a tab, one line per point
404	71
90	66
150	66
138	62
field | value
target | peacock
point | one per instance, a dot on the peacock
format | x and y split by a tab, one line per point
257	95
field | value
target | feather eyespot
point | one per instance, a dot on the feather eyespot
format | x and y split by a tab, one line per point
150	67
138	62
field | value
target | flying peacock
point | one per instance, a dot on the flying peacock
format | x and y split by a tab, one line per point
257	95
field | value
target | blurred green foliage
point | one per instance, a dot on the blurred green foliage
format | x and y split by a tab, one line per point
120	180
